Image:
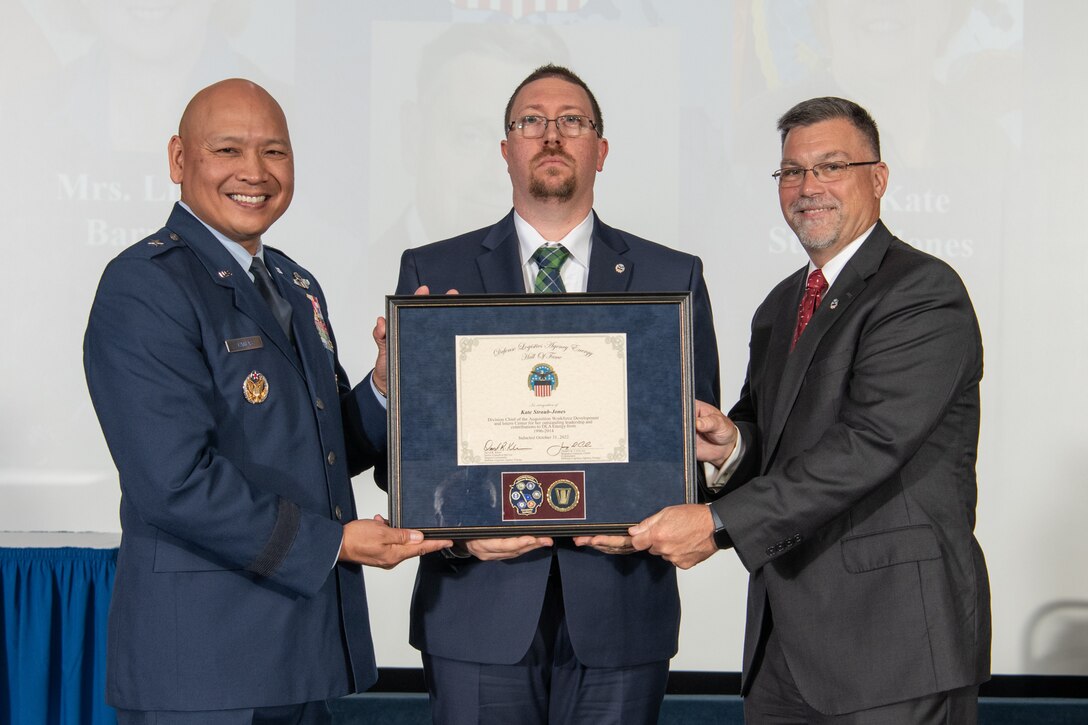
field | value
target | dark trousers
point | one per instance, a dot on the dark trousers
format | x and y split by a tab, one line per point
773	699
548	686
310	713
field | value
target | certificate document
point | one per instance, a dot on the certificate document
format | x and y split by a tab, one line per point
541	399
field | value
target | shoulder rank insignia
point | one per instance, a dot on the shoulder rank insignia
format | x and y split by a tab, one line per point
525	495
155	242
224	273
255	387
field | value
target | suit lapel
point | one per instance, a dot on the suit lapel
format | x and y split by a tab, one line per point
609	270
311	332
224	271
777	357
499	262
301	307
500	266
837	300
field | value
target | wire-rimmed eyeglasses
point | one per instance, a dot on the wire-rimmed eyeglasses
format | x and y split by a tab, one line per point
569	126
827	171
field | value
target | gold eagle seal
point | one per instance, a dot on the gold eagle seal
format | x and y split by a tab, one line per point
255	387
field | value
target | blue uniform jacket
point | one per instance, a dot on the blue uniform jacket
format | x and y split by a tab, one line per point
234	453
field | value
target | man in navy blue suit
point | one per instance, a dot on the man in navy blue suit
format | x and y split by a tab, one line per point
530	629
213	369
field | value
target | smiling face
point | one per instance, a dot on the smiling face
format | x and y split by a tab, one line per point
828	216
232	157
553	168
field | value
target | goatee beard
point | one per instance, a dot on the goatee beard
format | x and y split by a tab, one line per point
817	244
539	188
541	191
808	241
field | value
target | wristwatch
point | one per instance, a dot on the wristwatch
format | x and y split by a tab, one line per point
721	537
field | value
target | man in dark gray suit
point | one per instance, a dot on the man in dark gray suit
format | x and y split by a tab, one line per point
848	465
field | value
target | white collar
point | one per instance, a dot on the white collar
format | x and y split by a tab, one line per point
240	253
577	240
834	266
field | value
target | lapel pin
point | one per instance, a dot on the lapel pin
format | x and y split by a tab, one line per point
620	268
224	273
279	271
300	280
155	243
255	387
834	303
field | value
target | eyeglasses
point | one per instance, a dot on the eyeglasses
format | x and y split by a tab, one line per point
827	171
537	126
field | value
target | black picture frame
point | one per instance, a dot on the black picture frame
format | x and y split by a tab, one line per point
431	491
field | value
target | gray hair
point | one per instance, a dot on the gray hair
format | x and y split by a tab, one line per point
814	110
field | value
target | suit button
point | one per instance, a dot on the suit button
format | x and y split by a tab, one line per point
320	404
331	457
339	513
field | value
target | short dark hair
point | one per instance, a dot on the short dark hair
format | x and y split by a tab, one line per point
555	71
829	108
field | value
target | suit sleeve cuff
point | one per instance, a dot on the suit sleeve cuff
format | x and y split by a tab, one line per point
384	401
717	478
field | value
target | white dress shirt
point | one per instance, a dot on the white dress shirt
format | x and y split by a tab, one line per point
579	242
716	479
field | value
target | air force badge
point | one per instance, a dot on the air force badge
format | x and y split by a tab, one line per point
255	387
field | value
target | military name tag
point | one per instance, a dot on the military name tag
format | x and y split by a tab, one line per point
544	495
241	344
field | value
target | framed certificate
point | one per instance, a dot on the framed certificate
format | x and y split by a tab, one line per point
549	415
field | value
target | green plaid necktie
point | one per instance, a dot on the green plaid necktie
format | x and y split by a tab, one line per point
549	260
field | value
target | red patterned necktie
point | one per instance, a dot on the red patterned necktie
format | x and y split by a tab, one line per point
814	292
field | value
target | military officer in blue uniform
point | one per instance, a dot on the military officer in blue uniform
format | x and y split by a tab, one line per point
213	369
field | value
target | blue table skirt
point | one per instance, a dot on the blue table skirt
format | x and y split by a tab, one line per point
53	605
